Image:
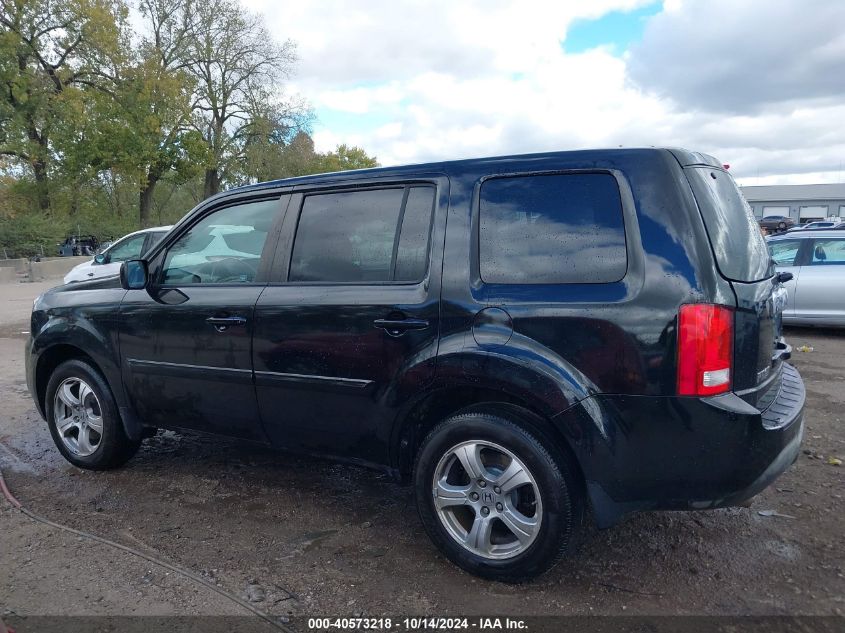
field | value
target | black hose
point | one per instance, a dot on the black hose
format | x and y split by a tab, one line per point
178	570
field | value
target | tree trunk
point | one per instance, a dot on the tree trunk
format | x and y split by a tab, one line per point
212	183
145	199
39	168
39	165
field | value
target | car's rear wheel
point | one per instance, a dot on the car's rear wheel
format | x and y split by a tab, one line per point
84	419
498	500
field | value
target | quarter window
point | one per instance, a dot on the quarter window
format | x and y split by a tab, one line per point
223	247
554	229
784	251
375	235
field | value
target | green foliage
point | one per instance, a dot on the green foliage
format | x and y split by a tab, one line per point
346	157
103	129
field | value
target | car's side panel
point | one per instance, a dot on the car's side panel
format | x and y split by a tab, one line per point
820	296
327	379
619	335
814	291
181	369
569	343
80	316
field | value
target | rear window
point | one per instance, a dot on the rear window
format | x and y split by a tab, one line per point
552	229
739	247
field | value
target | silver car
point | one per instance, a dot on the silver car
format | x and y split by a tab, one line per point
816	260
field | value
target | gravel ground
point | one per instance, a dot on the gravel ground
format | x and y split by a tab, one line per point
299	536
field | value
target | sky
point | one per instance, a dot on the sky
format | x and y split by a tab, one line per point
760	84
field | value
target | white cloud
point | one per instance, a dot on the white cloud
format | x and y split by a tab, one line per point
723	55
757	83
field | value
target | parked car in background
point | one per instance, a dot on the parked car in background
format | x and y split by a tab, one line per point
105	245
776	223
810	226
816	260
76	245
526	339
108	262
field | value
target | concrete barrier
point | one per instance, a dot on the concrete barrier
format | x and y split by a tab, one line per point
21	264
8	274
54	267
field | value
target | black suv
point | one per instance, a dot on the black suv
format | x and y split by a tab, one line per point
527	339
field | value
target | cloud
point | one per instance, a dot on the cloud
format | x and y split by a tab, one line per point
757	83
742	57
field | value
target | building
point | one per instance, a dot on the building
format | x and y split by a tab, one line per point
802	203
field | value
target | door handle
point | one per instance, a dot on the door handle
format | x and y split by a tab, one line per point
397	327
221	324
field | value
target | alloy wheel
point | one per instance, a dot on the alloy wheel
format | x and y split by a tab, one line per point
78	417
487	499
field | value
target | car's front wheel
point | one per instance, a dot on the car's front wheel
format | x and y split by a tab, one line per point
500	501
84	419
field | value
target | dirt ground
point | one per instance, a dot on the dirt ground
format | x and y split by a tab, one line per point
317	538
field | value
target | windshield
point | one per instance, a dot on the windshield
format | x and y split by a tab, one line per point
739	247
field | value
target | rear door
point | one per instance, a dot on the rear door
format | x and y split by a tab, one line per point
821	288
186	340
349	324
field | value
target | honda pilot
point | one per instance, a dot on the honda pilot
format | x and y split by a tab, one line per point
530	341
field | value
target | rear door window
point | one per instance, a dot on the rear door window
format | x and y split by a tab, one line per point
828	252
784	252
376	235
552	229
738	245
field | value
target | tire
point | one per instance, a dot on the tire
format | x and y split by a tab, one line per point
549	496
92	436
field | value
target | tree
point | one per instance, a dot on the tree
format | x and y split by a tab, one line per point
283	158
346	157
239	70
47	49
155	98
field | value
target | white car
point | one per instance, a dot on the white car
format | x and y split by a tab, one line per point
107	263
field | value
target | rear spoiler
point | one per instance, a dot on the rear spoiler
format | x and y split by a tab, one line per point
687	158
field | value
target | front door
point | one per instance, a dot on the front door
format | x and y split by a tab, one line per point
787	255
348	327
186	341
821	286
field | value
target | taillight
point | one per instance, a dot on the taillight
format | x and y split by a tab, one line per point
705	349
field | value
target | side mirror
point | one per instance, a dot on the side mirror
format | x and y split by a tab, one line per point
134	274
100	259
784	277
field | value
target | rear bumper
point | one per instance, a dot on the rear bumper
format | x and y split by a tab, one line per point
690	453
